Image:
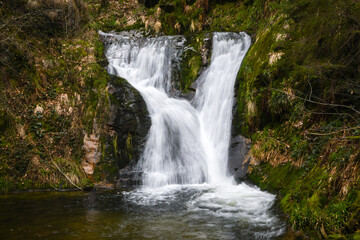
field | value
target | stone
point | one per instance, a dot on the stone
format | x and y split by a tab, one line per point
32	4
35	160
92	153
38	110
52	15
88	168
91	147
238	156
128	119
20	130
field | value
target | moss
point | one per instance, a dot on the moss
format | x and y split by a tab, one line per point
337	236
190	69
304	198
314	201
129	146
356	235
274	110
308	207
276	179
354	201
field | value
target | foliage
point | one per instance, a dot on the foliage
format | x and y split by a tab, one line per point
48	70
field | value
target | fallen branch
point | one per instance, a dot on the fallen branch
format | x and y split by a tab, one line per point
66	176
58	168
319	103
331	133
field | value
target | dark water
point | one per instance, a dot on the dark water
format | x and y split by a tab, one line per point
116	214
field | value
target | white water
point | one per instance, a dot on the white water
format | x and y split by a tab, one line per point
187	145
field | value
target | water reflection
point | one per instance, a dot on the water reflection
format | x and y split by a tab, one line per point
189	213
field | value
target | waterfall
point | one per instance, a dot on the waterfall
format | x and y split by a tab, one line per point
187	142
184	162
214	101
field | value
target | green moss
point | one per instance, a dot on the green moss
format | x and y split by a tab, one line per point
314	201
304	198
337	236
189	69
129	146
357	236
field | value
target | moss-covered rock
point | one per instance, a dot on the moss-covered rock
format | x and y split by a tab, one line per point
128	126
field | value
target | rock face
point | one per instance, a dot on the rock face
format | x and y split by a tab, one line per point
129	123
238	153
92	154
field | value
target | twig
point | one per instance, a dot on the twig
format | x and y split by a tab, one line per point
329	113
320	103
327	134
310	88
58	168
66	176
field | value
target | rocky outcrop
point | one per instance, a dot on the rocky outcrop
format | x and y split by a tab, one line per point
92	154
128	126
238	157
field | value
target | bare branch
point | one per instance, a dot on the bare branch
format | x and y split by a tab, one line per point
319	103
331	133
58	168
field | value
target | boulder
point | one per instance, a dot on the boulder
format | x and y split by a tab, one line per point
238	152
128	126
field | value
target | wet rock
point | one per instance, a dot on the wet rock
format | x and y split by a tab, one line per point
238	153
128	126
206	50
129	177
104	185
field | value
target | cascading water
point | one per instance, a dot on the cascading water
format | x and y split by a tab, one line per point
186	152
214	100
187	144
174	153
